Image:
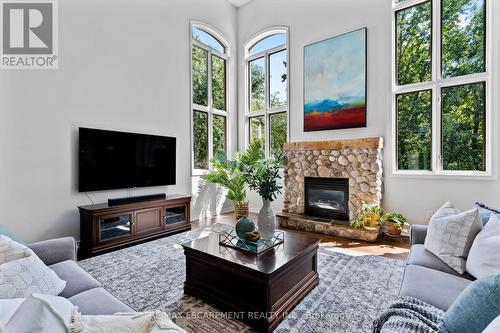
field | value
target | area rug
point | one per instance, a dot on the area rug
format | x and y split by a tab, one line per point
353	289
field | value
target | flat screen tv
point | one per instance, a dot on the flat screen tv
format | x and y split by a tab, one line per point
113	160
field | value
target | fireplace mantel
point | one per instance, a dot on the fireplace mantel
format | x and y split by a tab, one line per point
359	160
335	144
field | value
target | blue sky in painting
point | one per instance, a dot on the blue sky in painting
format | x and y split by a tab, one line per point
334	69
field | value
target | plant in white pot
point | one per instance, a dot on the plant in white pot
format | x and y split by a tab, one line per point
263	177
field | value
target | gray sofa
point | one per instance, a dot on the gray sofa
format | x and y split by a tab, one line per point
81	289
428	278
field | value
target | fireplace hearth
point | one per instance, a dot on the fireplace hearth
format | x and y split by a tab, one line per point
327	197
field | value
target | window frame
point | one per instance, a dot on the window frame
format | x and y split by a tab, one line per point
396	152
209	109
436	84
268	111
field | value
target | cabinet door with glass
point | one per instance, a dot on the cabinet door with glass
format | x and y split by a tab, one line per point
114	227
175	215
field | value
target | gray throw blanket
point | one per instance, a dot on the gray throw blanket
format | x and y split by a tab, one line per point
408	315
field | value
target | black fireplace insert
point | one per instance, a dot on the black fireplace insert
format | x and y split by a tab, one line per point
327	197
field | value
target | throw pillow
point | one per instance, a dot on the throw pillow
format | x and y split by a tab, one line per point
25	275
475	308
11	250
7	309
484	255
494	327
486	212
450	235
42	313
140	322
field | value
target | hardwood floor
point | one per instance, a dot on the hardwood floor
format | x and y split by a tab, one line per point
397	248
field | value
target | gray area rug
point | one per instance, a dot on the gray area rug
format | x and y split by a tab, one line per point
352	292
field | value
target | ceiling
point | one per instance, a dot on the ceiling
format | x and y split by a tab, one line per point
238	3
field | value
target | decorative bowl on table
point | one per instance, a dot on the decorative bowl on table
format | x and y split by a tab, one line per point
244	226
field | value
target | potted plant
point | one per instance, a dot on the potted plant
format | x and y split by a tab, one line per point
230	174
262	177
394	223
368	216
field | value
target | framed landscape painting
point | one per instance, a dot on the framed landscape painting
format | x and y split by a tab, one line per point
335	82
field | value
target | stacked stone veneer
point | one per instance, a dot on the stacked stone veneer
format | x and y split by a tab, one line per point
358	160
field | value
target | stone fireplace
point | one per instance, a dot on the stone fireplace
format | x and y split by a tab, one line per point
327	182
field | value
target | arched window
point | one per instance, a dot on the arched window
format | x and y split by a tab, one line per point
209	63
267	90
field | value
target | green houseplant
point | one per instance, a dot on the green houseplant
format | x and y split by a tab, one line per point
231	174
394	223
263	177
367	216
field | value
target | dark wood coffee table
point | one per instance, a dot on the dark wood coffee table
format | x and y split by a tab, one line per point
258	289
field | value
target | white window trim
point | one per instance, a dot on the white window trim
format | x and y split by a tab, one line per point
267	111
208	109
437	82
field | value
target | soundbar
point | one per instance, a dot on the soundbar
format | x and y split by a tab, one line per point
140	198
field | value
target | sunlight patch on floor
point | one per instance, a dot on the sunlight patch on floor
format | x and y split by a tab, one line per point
354	248
345	251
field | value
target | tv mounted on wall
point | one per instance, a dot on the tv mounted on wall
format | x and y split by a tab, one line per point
113	160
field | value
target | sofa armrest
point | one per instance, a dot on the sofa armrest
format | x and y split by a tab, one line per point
418	233
55	250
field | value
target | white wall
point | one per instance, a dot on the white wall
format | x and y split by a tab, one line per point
124	65
315	20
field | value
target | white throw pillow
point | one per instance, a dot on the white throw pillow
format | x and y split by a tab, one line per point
484	255
7	309
494	326
54	314
11	250
42	313
26	275
451	233
140	322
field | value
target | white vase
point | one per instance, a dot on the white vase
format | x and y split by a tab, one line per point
266	220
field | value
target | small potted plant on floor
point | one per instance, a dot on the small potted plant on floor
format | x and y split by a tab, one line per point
263	177
368	216
394	223
230	174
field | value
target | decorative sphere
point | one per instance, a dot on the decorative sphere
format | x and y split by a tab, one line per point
243	226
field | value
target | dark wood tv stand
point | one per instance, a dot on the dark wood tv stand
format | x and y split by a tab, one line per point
104	228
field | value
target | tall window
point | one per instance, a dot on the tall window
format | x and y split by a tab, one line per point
267	91
209	60
440	87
